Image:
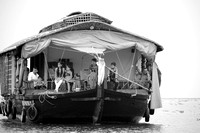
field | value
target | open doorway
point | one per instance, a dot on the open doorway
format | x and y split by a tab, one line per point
38	62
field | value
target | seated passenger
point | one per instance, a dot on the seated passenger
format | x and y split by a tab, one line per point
77	82
33	76
92	80
68	78
40	84
112	77
59	76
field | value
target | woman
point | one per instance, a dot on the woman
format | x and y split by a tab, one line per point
59	75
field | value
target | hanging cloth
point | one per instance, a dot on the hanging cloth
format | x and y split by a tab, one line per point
155	97
101	70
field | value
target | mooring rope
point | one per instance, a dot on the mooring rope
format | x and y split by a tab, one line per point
129	80
44	97
131	67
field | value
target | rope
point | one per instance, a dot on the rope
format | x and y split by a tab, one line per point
52	97
44	98
135	94
124	85
129	80
130	71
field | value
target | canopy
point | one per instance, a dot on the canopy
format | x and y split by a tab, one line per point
90	41
82	37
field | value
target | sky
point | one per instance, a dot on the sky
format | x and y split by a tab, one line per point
174	24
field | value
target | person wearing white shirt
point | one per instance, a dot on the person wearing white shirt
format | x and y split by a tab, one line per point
33	76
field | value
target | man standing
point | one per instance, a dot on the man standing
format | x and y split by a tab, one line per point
112	77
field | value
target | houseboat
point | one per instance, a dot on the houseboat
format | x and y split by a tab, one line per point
124	87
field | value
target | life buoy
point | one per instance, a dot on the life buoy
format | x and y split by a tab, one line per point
14	112
146	115
23	115
32	113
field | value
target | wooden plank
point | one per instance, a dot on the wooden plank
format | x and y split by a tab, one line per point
86	99
112	99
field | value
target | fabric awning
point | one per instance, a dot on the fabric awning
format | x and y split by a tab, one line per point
90	41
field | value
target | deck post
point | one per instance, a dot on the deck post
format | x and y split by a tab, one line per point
13	74
98	110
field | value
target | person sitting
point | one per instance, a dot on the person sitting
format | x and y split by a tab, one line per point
68	78
59	76
77	82
33	76
112	77
40	84
91	80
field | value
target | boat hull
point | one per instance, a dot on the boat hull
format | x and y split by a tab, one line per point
81	106
124	107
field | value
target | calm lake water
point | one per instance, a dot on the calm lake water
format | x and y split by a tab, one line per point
176	116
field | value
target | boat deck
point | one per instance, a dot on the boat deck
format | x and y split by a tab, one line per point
41	92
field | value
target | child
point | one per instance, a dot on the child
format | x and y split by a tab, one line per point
77	83
68	77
